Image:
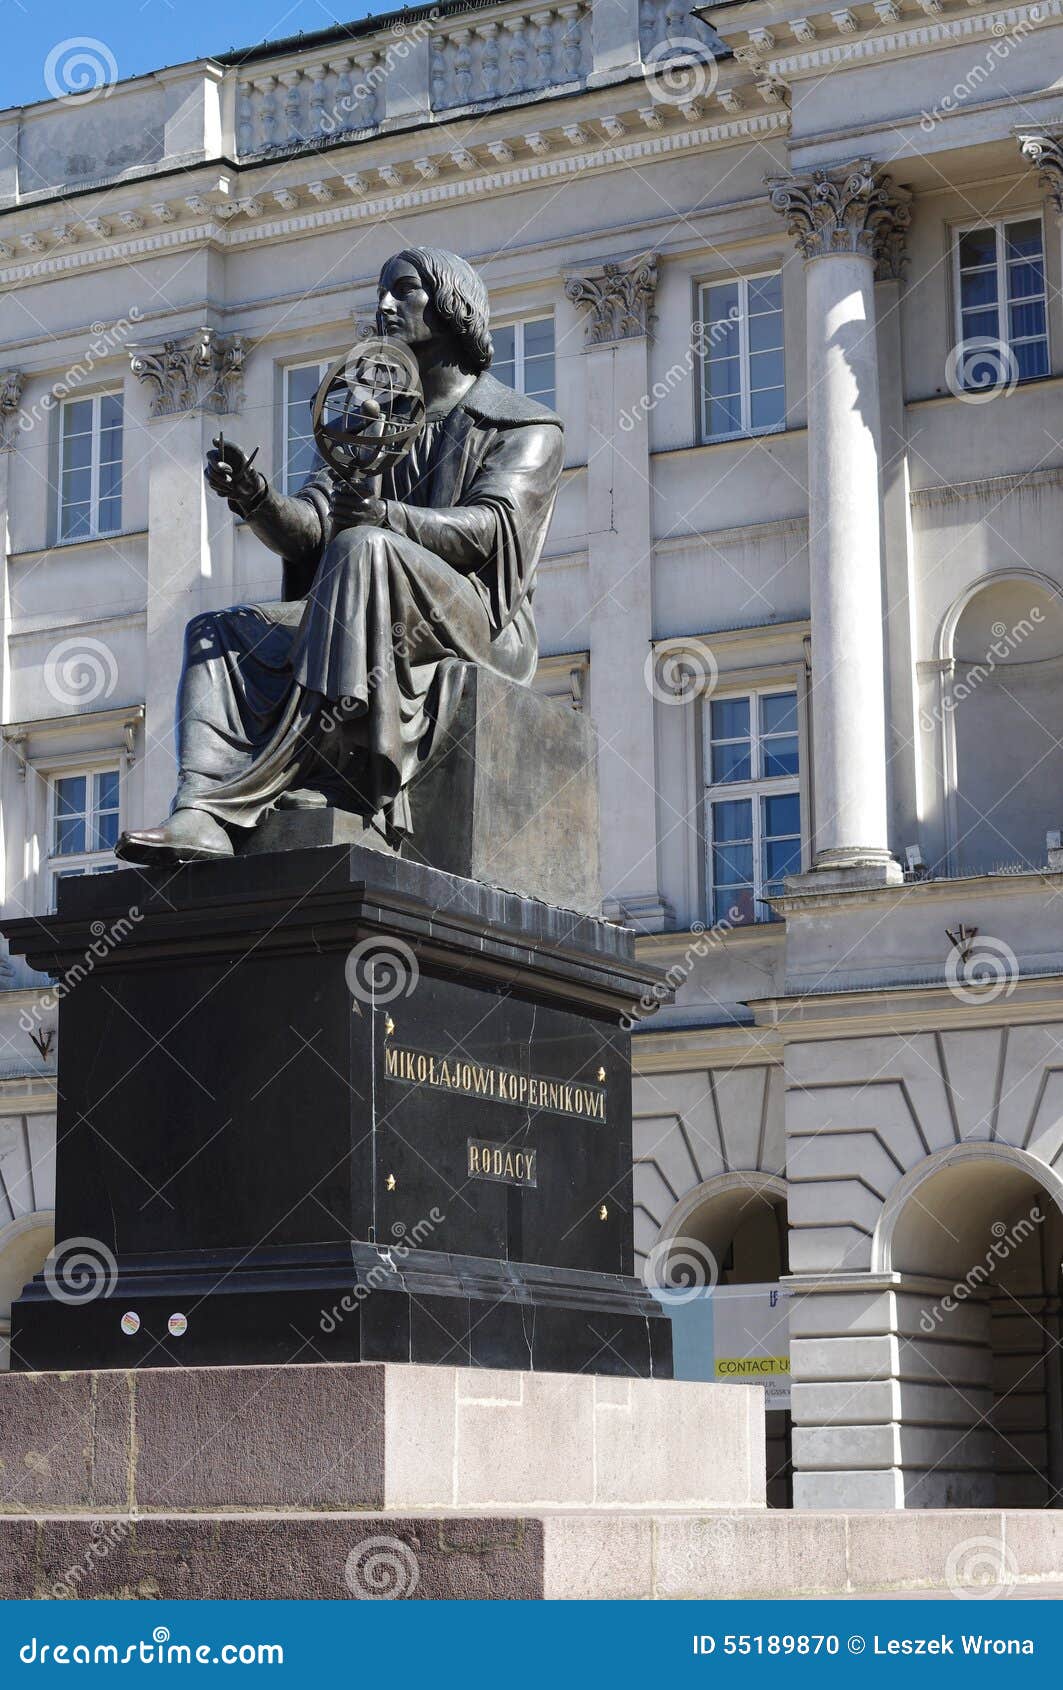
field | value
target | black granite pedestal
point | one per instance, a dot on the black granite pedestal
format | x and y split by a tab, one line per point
331	1105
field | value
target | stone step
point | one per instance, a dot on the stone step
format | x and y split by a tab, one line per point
527	1555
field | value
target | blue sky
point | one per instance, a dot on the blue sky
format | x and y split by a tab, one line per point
144	34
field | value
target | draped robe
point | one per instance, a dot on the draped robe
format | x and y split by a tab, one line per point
345	685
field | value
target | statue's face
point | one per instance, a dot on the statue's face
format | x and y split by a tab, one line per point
404	306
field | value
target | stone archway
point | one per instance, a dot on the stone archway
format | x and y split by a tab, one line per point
729	1231
976	1231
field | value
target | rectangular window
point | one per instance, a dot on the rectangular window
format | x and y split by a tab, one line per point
753	801
743	389
1000	277
83	825
301	382
90	466
524	358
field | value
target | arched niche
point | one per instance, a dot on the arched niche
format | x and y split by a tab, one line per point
1001	716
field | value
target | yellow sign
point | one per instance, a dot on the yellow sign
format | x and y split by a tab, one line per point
750	1367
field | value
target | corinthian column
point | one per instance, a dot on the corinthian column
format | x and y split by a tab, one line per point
843	219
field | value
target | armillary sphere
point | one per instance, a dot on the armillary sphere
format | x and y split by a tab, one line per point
369	408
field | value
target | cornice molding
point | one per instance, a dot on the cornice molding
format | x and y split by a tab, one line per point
217	220
619	296
201	370
839	47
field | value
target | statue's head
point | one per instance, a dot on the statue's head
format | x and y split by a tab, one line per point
426	295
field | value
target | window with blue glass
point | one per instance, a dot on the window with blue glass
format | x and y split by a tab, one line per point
743	388
90	467
1003	320
301	382
524	358
753	801
84	825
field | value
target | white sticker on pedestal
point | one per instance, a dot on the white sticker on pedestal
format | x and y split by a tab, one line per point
130	1322
177	1325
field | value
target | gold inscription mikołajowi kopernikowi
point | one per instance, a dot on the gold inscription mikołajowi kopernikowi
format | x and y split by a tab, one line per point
494	1083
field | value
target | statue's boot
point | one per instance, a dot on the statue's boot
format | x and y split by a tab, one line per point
188	836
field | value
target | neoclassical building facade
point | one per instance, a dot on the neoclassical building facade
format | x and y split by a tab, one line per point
792	277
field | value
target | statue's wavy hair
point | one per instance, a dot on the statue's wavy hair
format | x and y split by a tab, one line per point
459	297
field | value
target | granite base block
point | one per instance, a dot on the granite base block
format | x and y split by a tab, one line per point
365	1436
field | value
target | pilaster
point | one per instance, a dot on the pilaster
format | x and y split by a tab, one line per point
618	297
191	380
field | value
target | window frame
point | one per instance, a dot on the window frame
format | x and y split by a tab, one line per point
95	532
1003	300
747	432
287	371
518	325
753	790
56	864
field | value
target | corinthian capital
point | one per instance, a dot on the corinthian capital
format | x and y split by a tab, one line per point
846	208
198	371
619	296
11	385
1045	153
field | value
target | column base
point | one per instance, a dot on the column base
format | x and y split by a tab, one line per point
646	912
849	867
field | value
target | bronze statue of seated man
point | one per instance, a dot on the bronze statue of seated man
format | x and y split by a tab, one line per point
337	693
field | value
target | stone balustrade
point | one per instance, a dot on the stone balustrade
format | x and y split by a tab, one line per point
426	65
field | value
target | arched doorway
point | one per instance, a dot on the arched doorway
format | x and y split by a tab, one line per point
979	1230
1002	646
729	1231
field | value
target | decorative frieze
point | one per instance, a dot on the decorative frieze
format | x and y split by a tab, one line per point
619	296
11	384
199	371
851	208
1045	153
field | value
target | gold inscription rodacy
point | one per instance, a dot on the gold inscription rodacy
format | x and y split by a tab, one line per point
502	1085
501	1162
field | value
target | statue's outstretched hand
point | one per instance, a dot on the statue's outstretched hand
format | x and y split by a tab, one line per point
229	473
